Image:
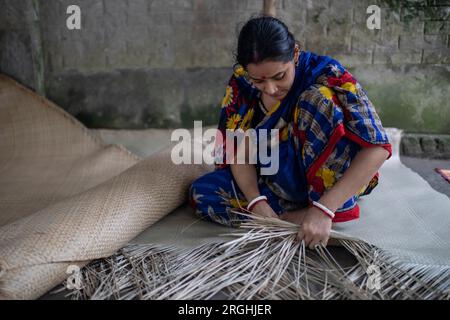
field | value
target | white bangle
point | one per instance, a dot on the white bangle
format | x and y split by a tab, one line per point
257	199
324	209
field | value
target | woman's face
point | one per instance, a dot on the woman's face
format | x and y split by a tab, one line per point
273	78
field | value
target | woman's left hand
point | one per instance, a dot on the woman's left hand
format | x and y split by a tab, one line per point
315	228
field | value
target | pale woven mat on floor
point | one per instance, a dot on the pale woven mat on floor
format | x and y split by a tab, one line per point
66	197
403	214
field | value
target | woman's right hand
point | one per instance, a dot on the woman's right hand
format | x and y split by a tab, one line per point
263	209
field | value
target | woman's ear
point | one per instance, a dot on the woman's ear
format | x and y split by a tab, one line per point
296	53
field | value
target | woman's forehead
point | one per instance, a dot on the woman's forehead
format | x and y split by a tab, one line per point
266	69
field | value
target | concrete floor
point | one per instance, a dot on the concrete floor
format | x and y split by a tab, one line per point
425	168
147	142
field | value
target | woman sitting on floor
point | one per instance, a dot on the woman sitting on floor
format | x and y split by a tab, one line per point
331	140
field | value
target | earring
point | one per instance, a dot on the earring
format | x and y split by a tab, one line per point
297	50
239	70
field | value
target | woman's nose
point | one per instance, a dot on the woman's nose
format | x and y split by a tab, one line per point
270	89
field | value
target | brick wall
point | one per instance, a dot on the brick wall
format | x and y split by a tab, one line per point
158	63
15	41
201	33
174	34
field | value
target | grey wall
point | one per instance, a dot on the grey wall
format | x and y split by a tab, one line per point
163	63
16	45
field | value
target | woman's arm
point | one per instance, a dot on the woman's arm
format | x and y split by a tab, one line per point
361	170
247	180
245	174
316	226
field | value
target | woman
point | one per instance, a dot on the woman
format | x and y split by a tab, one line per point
331	140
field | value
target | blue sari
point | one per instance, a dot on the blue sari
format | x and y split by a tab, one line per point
324	120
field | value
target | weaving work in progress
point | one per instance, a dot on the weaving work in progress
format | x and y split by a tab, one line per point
69	199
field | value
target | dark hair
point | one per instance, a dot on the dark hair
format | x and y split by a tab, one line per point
264	38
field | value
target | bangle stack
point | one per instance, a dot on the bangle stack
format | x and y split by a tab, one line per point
256	201
324	209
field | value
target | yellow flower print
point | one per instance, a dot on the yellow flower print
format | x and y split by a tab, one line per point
349	87
327	176
327	92
235	203
233	121
239	71
228	98
247	120
284	134
361	191
231	200
296	114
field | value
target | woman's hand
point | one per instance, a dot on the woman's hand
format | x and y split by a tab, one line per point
295	216
315	228
263	209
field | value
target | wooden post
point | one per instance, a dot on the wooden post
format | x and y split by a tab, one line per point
269	8
37	51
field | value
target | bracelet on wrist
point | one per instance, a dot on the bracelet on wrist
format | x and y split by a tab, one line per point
255	201
324	209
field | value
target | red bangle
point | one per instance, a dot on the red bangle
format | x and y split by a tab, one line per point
324	210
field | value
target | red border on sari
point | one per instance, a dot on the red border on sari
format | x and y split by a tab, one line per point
337	134
366	144
347	215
